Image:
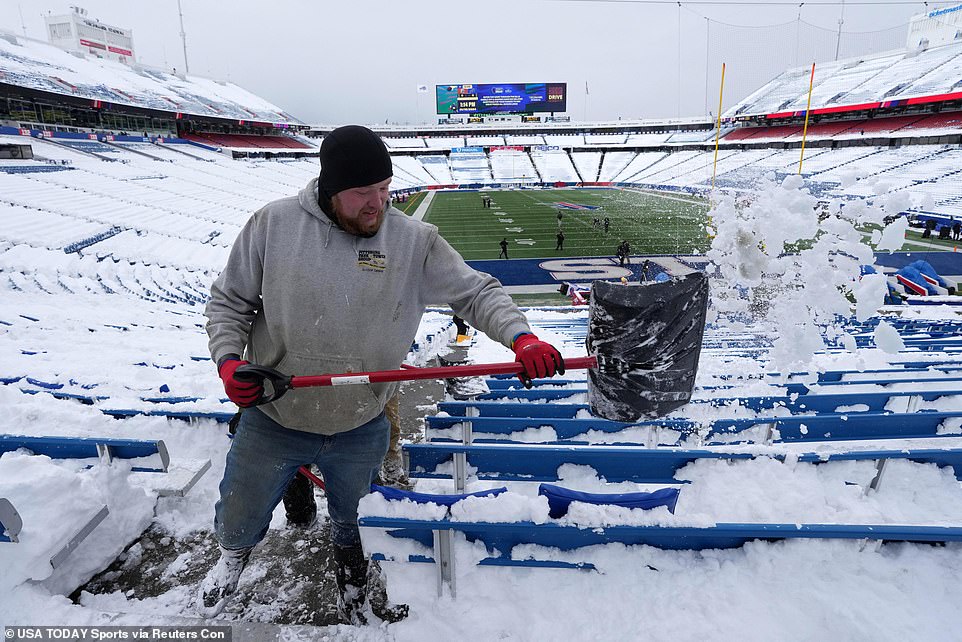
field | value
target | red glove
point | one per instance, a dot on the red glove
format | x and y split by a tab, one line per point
243	393
539	359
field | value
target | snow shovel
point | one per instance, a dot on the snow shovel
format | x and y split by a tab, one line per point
644	341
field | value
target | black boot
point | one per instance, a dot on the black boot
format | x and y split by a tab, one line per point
377	597
299	502
221	582
361	589
350	572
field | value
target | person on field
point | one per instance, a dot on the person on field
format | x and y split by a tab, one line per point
504	249
560	245
332	280
623	252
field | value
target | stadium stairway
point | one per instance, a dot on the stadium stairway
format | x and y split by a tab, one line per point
132	150
179	149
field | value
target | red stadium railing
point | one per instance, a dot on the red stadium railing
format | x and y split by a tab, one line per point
246	141
883	125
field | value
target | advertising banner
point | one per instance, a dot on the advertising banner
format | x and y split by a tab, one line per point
91	43
501	98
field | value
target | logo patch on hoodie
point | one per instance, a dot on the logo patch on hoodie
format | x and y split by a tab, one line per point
371	260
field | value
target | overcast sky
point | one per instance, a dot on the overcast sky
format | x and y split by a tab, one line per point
360	61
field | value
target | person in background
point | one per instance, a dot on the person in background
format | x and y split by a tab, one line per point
623	251
462	328
504	248
300	507
392	471
645	271
332	280
560	245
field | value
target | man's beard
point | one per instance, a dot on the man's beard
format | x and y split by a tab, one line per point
352	227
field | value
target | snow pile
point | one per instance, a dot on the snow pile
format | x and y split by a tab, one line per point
793	264
52	499
887	338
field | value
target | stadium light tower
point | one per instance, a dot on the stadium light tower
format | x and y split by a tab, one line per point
183	37
22	25
841	21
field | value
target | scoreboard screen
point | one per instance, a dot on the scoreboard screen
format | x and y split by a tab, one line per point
502	98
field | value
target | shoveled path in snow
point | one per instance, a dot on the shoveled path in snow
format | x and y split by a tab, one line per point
290	578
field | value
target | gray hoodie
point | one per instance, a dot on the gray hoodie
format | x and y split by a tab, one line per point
301	295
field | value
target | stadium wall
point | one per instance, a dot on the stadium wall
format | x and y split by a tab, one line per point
554	272
43	133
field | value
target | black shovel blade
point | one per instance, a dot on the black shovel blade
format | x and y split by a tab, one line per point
647	338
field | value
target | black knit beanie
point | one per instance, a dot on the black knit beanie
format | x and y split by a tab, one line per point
352	156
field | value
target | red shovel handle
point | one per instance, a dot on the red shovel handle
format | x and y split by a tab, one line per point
306	471
445	372
281	383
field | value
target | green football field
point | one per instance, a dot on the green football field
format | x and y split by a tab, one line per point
652	224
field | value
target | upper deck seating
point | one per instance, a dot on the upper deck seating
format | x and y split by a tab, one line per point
444	142
605	139
398	142
486	140
859	81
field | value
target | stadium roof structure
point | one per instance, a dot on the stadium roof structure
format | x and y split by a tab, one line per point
36	65
891	80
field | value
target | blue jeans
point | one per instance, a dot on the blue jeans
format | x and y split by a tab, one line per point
265	456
